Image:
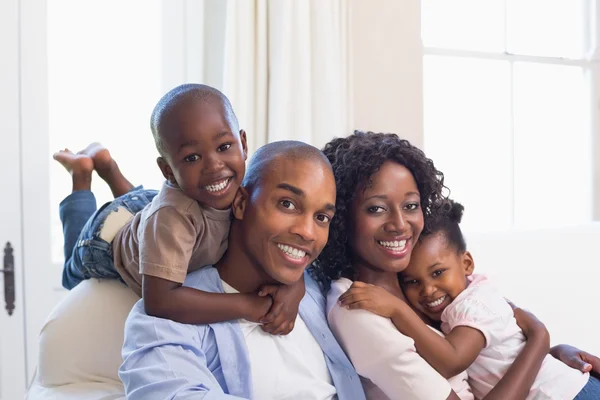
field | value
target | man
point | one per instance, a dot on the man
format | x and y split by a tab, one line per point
281	223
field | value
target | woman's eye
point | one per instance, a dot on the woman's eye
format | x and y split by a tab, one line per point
287	204
412	206
224	147
323	218
192	158
375	209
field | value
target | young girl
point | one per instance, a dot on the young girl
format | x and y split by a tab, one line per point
482	335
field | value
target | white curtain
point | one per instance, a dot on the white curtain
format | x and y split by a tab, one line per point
285	69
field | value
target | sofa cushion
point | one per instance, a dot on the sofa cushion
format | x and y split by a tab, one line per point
81	340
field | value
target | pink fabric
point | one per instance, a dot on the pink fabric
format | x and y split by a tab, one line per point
482	307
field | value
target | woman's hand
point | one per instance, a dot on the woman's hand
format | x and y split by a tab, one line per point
577	359
372	298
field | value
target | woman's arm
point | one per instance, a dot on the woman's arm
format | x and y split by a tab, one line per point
519	378
449	356
382	354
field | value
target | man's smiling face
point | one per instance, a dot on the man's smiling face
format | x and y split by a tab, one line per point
287	215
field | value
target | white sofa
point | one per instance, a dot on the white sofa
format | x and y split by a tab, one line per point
80	344
555	273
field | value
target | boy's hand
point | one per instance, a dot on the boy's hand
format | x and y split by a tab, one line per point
286	300
256	307
372	298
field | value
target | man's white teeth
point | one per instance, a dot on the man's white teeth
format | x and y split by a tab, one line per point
291	251
436	303
217	187
393	245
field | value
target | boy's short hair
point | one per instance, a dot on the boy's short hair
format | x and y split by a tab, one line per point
181	95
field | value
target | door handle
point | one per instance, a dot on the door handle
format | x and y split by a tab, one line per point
9	278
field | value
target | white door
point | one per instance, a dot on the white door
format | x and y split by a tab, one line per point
12	322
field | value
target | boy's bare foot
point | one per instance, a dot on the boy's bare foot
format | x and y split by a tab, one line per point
80	166
107	169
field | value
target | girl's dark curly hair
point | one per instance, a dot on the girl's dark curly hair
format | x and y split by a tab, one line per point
354	160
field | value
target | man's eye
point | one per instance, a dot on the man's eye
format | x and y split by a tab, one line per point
323	218
287	204
224	147
192	158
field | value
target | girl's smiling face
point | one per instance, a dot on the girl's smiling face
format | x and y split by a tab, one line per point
436	275
386	220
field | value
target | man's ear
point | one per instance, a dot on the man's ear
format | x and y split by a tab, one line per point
166	170
244	143
468	263
239	203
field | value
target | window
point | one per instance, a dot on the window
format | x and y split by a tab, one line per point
104	76
508	95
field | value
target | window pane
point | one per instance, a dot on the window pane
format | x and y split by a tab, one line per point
546	28
467	118
463	24
103	83
553	146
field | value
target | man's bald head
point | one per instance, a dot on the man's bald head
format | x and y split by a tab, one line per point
183	95
266	158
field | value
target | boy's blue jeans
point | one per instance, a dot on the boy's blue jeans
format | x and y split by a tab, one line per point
87	255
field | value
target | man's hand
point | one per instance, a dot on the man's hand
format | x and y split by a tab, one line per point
577	359
372	298
286	301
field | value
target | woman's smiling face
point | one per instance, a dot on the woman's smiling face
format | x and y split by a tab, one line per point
387	220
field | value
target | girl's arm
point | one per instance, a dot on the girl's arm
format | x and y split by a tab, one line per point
449	356
519	378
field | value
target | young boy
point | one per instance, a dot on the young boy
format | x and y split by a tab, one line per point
150	240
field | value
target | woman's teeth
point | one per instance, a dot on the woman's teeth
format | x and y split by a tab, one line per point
291	251
393	245
436	303
217	187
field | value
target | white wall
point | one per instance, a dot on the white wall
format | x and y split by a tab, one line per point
387	67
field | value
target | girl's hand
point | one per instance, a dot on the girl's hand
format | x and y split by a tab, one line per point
577	359
372	298
286	301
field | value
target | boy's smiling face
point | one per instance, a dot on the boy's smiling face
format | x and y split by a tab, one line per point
204	154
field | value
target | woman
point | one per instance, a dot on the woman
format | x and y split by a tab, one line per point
386	191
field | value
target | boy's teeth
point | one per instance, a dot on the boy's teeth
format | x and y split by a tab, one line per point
394	245
436	303
291	251
217	186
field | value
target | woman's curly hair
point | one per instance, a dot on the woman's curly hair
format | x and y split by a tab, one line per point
354	160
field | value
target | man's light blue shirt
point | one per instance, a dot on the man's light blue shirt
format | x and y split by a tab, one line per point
168	360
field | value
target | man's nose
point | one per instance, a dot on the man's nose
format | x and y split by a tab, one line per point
304	226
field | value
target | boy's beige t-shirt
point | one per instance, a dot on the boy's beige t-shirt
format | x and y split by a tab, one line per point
171	236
